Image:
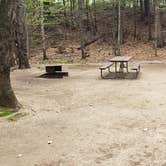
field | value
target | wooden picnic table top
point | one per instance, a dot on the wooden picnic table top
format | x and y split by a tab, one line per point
121	59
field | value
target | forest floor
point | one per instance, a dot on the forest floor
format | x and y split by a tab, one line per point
99	52
83	120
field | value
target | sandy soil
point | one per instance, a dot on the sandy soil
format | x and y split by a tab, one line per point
91	122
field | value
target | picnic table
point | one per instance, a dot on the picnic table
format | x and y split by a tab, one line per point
123	61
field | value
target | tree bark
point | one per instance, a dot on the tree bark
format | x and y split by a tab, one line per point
141	5
149	23
159	42
114	28
21	37
146	7
95	18
119	27
7	96
135	19
81	29
44	50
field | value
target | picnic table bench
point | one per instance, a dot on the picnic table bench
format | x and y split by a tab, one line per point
105	66
136	67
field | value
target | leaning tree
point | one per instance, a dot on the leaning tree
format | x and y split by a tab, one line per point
7	13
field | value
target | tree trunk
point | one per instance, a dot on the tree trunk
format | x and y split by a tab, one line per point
146	7
114	28
21	37
159	42
65	19
156	27
119	28
135	19
95	18
141	5
142	9
149	23
64	9
7	97
71	7
87	15
81	30
44	50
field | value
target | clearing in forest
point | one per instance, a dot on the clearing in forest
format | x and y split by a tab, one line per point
84	120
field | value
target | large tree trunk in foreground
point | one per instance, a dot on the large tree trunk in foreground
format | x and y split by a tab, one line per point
21	37
7	97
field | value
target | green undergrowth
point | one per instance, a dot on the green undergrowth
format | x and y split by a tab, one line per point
17	116
6	112
11	115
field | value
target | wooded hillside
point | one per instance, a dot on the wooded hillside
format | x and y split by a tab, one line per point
78	24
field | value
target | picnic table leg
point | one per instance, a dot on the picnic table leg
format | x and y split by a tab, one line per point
122	66
101	73
116	70
115	67
127	67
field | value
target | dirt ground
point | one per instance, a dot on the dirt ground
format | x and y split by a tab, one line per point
88	121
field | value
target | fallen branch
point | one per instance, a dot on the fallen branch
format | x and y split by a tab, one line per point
90	42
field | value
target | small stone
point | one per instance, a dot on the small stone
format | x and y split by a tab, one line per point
145	129
19	155
50	142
